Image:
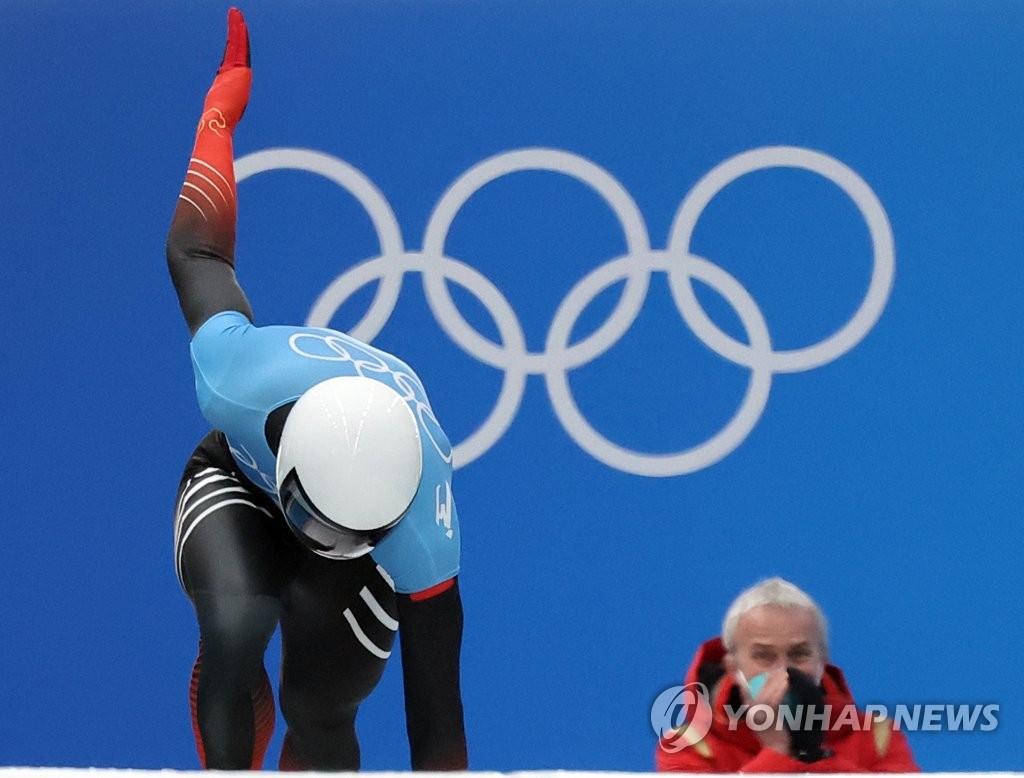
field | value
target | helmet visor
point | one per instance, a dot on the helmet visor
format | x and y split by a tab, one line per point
316	531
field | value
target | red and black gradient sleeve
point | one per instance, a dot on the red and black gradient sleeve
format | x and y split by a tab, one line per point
201	241
431	634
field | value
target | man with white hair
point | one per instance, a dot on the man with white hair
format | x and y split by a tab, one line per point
767	700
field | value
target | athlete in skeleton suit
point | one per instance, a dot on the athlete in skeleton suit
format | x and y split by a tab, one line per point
320	502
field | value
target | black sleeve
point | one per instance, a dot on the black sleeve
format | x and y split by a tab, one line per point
205	282
430	631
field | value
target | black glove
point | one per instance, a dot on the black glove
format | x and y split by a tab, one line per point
807	697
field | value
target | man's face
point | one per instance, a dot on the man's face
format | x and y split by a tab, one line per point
769	638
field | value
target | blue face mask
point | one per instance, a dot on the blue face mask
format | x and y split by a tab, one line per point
756	684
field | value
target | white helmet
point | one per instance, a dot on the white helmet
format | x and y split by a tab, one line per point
348	465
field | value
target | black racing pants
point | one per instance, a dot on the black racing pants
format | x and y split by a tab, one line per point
246	574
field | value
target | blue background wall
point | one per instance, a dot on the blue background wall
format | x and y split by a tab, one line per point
887	482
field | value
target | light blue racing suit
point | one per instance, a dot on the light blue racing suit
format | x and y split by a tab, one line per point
244	372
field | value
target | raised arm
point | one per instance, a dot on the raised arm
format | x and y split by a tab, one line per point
201	241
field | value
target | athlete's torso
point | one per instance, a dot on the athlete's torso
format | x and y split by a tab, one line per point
244	372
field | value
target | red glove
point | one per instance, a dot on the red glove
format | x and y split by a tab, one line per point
228	96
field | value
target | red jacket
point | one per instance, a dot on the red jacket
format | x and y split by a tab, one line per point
856	747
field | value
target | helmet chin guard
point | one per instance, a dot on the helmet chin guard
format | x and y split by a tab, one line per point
348	466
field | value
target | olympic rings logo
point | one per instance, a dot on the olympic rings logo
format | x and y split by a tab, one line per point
635	268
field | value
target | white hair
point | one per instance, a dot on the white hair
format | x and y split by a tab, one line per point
778	593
